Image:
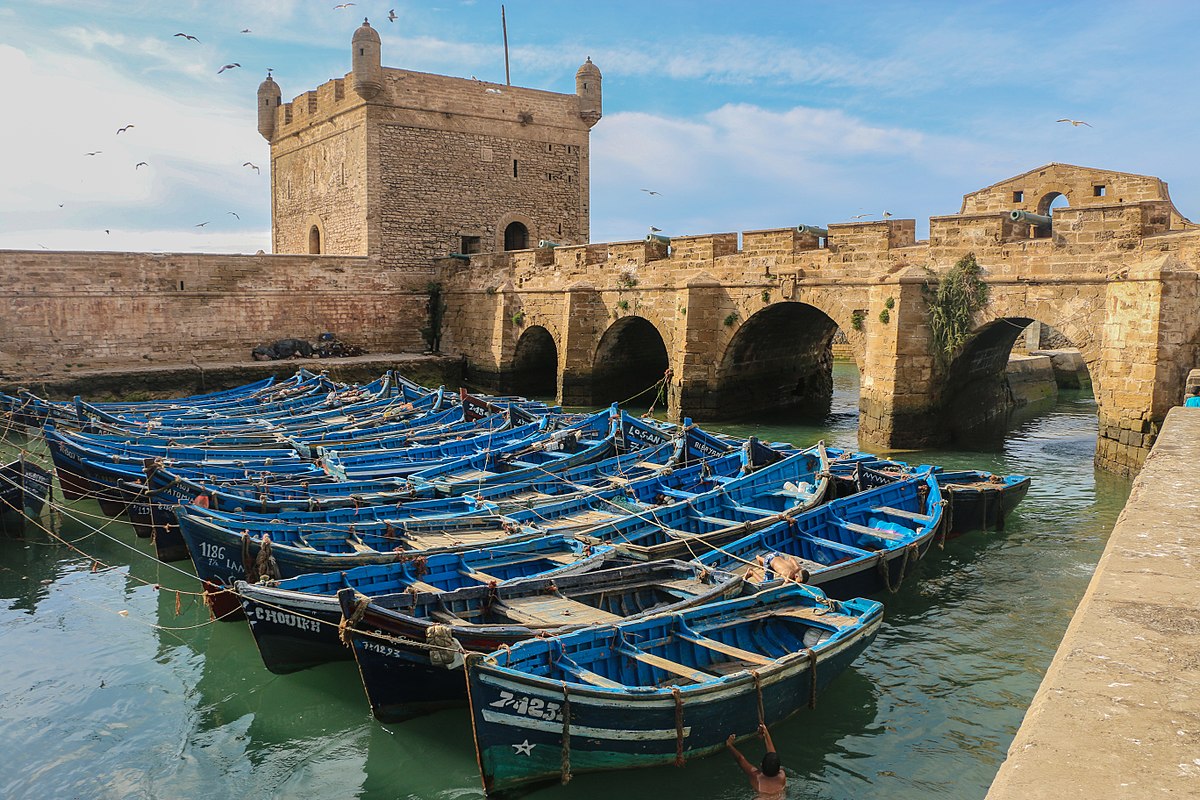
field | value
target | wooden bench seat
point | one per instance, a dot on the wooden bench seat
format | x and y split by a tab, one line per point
666	665
899	512
551	611
733	652
890	536
586	675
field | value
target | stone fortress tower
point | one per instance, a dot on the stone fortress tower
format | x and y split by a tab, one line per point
405	167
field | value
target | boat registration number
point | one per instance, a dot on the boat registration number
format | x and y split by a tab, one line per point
529	706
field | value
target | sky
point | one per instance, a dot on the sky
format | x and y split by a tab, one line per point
741	115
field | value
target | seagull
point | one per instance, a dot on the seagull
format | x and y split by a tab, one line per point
60	205
861	216
655	230
234	213
227	66
1075	123
200	225
94	153
887	214
189	37
392	15
141	164
342	5
252	166
43	246
122	130
493	91
246	30
106	230
651	193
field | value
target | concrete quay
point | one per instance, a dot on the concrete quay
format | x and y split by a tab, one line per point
1118	712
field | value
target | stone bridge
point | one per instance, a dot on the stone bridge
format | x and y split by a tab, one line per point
744	322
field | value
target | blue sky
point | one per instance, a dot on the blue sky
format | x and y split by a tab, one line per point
743	115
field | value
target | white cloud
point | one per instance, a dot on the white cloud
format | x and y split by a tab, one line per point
143	241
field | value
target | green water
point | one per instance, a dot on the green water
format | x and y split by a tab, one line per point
96	704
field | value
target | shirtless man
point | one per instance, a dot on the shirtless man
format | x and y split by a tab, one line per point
767	780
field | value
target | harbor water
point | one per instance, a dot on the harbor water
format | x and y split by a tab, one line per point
115	684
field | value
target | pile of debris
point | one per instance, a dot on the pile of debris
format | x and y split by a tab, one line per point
327	346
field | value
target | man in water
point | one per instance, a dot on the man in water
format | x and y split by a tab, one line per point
767	780
1193	400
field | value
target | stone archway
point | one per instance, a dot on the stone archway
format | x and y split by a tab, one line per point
780	358
630	358
317	243
510	225
535	364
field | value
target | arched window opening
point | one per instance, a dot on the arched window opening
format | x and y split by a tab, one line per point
516	236
314	240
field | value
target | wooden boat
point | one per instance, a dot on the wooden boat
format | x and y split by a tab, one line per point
695	523
410	646
661	690
295	620
853	546
24	490
976	499
979	500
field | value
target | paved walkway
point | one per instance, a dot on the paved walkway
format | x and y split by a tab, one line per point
1118	714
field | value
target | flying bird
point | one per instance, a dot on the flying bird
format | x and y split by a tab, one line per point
94	153
655	230
227	66
652	193
861	216
252	166
887	214
246	30
60	205
234	213
106	230
122	130
199	224
1075	123
392	15
141	164
342	5
493	91
187	36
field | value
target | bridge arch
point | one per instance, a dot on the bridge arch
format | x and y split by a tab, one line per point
534	370
630	357
781	357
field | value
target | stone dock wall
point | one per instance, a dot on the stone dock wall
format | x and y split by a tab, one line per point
1118	712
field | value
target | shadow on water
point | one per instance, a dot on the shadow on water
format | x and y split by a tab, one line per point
161	703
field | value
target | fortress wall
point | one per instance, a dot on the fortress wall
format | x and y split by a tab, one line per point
114	309
318	175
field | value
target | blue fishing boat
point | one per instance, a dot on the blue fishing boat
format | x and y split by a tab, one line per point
661	690
979	500
24	491
410	646
295	620
858	545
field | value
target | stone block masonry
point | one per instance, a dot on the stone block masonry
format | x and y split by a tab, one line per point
121	309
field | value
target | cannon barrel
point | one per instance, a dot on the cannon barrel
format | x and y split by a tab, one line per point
1038	220
547	243
812	230
659	238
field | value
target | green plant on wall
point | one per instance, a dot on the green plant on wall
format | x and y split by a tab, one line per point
890	303
627	279
954	298
856	320
518	318
730	318
885	317
623	305
435	311
766	296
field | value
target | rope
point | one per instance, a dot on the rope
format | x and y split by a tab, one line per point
675	693
360	608
565	766
758	692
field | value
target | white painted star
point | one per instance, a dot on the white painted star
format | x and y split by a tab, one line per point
524	748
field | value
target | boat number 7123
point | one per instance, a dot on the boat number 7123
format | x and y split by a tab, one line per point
529	706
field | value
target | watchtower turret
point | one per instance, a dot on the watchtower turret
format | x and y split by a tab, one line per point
366	61
587	86
269	99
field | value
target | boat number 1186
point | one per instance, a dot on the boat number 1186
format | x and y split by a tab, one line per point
529	706
213	551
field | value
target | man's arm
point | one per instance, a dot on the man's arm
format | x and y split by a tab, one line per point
766	735
746	766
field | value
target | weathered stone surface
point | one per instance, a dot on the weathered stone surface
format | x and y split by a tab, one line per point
1119	698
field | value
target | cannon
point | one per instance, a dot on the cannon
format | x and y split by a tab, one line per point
812	230
658	238
1028	217
547	243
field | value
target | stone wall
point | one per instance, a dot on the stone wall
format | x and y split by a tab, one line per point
98	309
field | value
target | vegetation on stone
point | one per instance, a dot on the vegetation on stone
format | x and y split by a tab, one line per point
953	299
